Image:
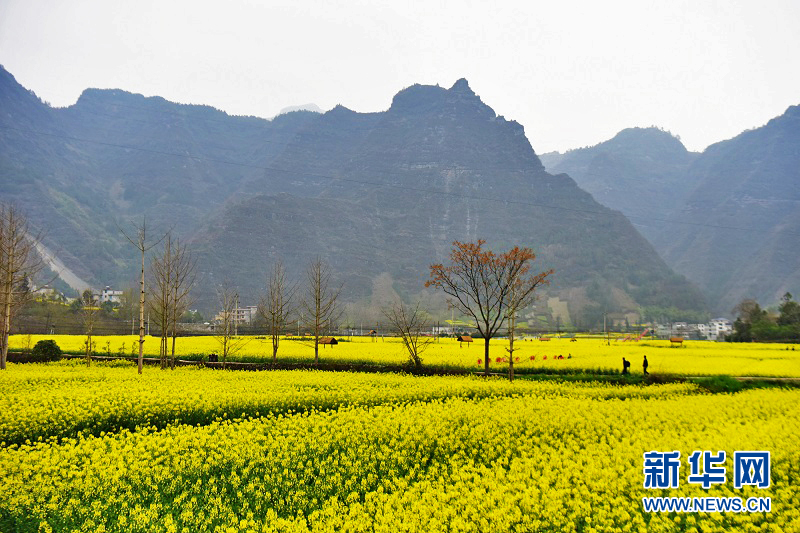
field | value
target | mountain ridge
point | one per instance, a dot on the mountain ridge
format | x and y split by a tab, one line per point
725	217
382	195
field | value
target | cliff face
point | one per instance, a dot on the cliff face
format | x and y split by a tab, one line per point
380	195
727	218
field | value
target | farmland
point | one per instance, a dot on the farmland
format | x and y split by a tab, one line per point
103	449
695	358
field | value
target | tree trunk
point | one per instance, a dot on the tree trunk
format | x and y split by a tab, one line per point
173	348
511	358
511	330
6	330
7	295
141	319
486	356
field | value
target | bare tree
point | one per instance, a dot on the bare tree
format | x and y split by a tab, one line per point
173	277
89	312
225	329
183	281
320	302
159	296
277	305
19	263
409	323
523	293
480	284
140	242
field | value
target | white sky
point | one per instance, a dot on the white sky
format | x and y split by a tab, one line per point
573	73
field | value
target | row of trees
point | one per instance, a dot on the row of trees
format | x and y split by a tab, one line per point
756	324
488	287
317	302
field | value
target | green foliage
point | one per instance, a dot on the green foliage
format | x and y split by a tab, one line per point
755	324
790	311
192	316
655	313
44	351
721	384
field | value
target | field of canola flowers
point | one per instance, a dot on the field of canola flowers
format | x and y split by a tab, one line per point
696	358
102	449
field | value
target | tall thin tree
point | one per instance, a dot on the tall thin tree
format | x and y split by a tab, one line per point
183	281
277	305
158	298
89	310
172	272
225	328
19	263
141	244
522	294
320	302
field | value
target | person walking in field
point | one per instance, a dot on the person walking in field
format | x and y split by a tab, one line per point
625	365
644	366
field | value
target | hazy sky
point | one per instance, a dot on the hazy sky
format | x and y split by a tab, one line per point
573	73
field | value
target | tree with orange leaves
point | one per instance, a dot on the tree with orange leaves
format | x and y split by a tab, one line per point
486	286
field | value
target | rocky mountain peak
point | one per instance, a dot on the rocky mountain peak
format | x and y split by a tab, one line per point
462	86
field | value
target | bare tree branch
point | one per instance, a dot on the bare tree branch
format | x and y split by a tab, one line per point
277	305
19	263
225	329
140	242
173	277
480	284
409	322
88	312
320	301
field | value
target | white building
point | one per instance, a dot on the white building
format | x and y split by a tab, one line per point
109	295
442	330
246	315
241	315
718	328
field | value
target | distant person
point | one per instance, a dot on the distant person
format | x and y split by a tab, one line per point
644	366
625	366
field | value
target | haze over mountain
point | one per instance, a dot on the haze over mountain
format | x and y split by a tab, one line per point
379	195
729	218
304	107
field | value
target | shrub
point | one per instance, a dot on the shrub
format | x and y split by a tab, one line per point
44	351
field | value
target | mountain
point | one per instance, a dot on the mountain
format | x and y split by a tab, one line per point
303	107
641	172
114	157
728	218
379	195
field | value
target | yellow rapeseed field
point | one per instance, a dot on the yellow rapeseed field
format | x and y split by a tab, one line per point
66	398
695	358
299	451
